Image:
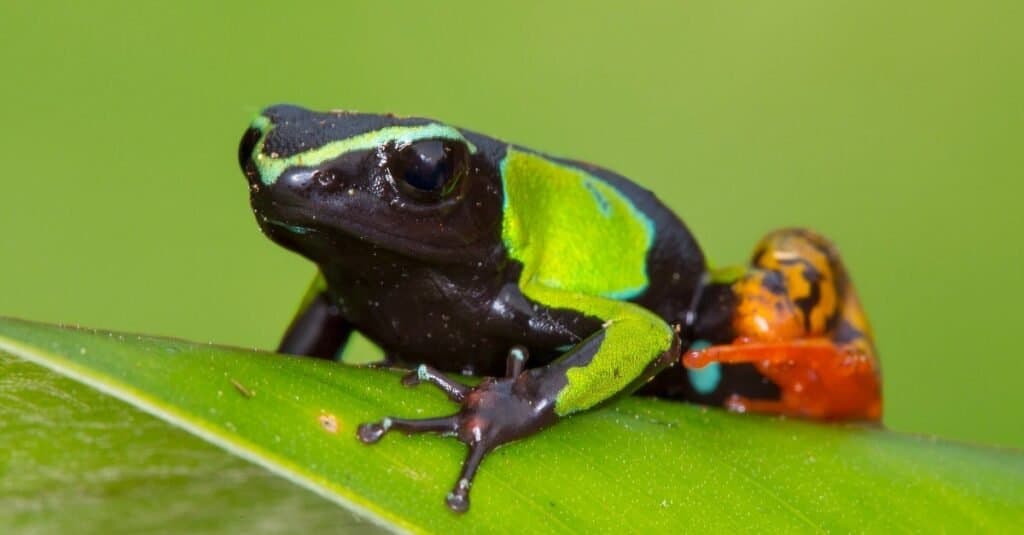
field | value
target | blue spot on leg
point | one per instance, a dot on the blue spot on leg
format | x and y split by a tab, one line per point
705	380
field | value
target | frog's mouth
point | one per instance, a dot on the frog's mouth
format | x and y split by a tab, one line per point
295	229
305	231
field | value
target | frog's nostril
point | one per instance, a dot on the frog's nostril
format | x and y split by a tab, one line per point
246	147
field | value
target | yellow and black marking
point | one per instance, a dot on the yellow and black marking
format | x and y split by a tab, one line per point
797	287
791	319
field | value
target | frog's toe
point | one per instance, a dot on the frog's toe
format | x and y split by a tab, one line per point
372	432
516	362
455	390
458	500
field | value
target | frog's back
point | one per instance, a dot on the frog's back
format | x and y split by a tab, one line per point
582	228
675	264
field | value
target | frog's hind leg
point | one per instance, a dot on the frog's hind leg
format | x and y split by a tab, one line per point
817	377
798	320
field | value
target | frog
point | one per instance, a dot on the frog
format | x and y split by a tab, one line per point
561	284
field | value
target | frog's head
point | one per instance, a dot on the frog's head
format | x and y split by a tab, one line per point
322	182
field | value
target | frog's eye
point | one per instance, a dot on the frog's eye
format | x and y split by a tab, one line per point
430	166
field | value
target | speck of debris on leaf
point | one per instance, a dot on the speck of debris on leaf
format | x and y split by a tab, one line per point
329	422
242	389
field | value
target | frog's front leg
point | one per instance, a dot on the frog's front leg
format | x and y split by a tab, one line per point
632	347
318	329
473	424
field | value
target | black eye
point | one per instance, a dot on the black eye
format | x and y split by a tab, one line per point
431	166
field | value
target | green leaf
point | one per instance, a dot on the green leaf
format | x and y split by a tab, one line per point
74	460
639	464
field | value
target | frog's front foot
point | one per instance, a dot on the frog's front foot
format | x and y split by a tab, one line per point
493	413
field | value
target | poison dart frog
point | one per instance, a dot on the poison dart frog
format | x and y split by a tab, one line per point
562	283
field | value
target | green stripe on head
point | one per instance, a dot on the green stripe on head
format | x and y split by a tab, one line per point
271	167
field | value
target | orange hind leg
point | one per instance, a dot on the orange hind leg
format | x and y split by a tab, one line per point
817	377
800	323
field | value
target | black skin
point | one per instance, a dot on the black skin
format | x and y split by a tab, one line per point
426	276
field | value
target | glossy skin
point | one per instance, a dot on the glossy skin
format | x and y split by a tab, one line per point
460	253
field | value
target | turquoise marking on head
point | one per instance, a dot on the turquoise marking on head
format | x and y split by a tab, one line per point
293	228
270	167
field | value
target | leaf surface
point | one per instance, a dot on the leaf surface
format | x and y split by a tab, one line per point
637	464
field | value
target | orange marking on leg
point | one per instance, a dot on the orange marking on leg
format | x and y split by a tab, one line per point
817	378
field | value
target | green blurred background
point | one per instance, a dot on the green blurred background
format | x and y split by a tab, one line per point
896	129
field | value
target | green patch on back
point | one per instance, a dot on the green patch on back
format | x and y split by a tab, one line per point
583	246
573	231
